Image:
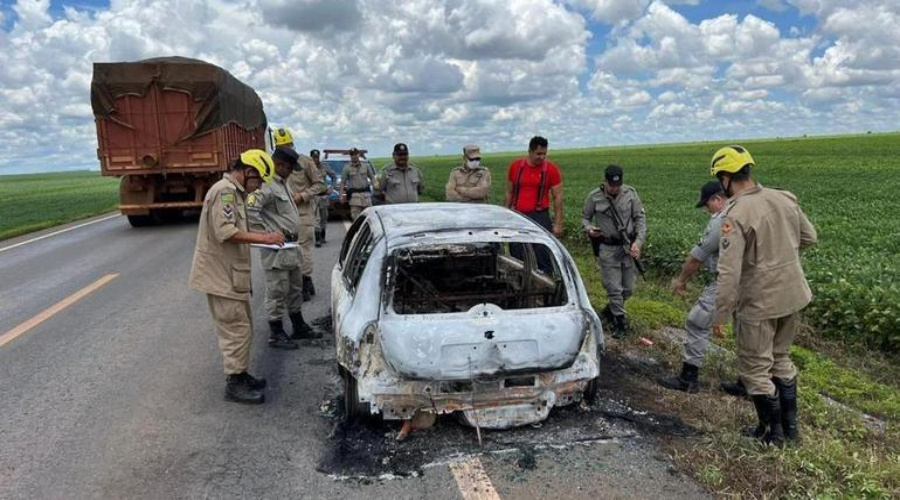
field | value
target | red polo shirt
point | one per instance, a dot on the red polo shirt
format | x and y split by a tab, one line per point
530	181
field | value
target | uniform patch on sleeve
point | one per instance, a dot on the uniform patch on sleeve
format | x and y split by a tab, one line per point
725	243
726	227
227	198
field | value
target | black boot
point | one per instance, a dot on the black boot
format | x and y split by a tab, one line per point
687	381
257	384
318	237
301	329
323	235
734	388
769	429
278	338
606	314
237	390
787	392
620	328
308	286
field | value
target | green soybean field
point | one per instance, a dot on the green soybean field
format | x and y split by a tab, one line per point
847	185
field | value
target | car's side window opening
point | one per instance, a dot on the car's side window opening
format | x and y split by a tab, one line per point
362	250
456	277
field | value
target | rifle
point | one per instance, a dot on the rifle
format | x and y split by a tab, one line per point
623	233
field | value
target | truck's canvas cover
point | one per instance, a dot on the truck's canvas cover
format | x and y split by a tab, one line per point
224	99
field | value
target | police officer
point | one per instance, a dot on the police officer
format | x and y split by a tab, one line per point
221	269
699	320
617	263
305	184
401	181
355	181
762	287
322	201
470	182
272	208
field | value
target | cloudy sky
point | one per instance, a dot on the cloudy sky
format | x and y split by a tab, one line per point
440	74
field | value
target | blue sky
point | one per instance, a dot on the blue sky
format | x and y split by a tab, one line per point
438	75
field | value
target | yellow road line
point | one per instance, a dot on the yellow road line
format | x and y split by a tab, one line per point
473	481
59	306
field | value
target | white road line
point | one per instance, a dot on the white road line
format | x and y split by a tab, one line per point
473	481
61	231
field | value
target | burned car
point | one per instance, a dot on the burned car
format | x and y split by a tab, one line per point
448	307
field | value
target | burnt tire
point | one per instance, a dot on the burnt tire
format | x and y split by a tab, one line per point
592	391
140	220
354	409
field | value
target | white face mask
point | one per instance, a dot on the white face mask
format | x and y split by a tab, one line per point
473	163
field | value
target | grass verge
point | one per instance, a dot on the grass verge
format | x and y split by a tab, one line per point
842	454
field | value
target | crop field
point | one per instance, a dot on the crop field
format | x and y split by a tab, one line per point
847	185
38	201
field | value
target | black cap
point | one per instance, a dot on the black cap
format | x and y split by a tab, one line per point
614	175
401	149
709	190
314	153
287	155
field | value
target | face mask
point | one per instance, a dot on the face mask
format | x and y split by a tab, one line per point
473	163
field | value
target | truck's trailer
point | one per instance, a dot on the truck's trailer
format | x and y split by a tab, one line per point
169	127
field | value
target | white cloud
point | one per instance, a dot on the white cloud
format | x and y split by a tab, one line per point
439	74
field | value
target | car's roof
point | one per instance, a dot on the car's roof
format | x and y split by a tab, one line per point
414	218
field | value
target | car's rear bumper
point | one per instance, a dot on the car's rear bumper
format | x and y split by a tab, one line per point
501	401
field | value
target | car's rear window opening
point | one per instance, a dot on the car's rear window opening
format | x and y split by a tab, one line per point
455	277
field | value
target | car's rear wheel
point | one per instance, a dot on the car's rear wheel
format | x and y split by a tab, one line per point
354	409
592	391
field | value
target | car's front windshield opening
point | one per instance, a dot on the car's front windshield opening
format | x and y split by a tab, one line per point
451	278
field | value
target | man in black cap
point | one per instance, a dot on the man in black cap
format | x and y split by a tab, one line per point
699	320
615	199
272	209
401	181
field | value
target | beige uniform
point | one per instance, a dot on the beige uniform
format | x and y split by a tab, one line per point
469	184
355	180
761	282
322	200
401	185
221	270
272	209
616	265
306	184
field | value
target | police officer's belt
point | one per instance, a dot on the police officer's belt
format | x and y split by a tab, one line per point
351	191
605	240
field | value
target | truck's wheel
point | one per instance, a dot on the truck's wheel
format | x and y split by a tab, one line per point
354	409
140	220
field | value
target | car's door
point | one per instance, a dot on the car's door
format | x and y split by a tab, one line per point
345	281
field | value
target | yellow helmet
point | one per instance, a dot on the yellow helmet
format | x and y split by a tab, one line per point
730	159
261	161
283	137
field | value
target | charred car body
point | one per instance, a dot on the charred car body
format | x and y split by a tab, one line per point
442	307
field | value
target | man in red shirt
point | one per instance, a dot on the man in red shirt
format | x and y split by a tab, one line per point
532	181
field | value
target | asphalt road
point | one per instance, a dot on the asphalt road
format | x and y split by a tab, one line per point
118	394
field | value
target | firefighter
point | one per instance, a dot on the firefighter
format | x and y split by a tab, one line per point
221	269
305	184
762	287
